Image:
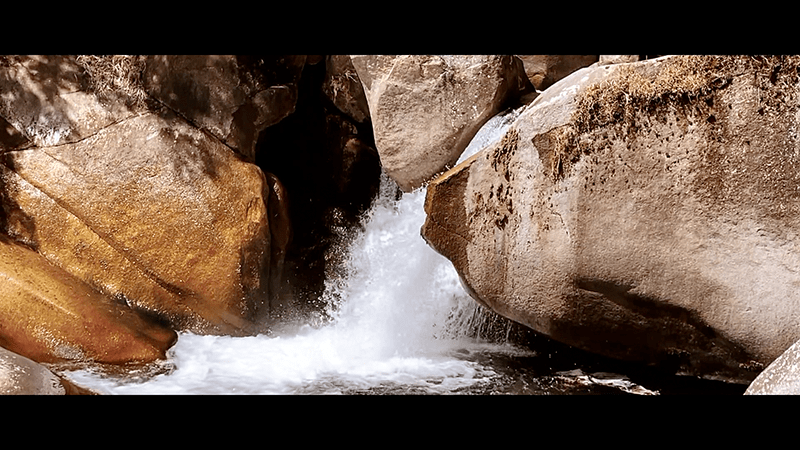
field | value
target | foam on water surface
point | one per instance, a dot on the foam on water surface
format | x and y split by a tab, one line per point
395	323
400	323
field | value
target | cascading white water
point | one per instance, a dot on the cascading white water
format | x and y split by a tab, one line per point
400	320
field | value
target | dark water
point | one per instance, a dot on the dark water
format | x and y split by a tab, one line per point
560	370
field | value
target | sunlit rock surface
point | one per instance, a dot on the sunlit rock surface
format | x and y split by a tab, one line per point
153	210
233	97
130	196
782	377
50	316
645	211
22	376
425	109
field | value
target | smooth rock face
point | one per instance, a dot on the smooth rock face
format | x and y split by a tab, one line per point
131	198
545	70
22	376
426	108
152	210
644	211
782	377
50	316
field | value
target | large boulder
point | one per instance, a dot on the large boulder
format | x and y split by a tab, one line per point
647	211
133	199
151	210
50	316
425	109
233	97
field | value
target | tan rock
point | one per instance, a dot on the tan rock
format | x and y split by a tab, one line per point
544	70
605	60
129	197
425	109
22	376
45	102
343	87
644	211
232	97
49	316
153	211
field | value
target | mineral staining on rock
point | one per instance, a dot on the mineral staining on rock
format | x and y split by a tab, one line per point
647	212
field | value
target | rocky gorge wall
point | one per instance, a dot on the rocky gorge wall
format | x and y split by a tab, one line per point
639	207
141	197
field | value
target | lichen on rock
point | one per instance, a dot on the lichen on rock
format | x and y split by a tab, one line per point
648	213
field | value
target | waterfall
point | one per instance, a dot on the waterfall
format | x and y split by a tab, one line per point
399	321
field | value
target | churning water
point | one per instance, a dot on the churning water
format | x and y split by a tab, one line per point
397	324
400	323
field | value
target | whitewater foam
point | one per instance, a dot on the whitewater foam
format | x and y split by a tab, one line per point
399	317
392	325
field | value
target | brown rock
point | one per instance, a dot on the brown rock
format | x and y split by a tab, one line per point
617	59
644	211
131	198
49	316
231	97
46	101
425	109
280	228
544	70
314	59
150	210
344	88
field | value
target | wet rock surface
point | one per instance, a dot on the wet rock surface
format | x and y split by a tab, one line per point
781	377
141	193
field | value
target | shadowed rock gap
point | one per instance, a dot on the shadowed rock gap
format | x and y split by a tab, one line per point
331	173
